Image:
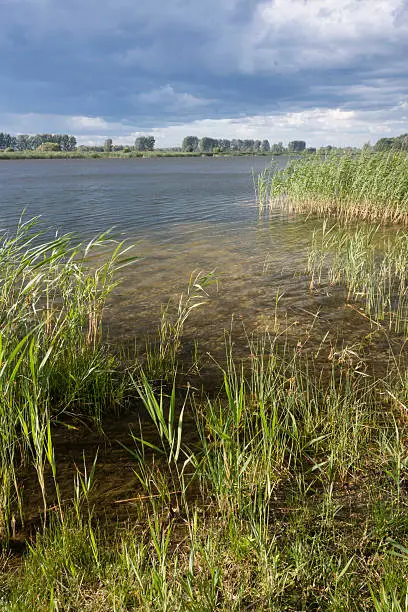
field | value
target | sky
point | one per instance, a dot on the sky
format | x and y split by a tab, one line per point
324	71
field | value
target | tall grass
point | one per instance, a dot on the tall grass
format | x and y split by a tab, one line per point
52	357
371	186
370	264
284	489
162	354
293	500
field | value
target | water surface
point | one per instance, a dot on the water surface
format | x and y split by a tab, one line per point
184	215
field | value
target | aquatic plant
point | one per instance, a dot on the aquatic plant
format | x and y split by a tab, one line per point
52	360
370	186
370	264
285	488
288	513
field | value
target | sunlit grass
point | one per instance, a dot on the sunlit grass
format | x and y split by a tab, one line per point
370	186
283	489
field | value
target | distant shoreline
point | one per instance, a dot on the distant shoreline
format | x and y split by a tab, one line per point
10	155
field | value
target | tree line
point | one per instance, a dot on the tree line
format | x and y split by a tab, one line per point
24	142
398	143
192	144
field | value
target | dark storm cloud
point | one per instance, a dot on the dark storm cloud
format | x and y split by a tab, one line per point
147	64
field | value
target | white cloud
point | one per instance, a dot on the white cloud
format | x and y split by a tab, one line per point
88	123
167	97
318	126
298	34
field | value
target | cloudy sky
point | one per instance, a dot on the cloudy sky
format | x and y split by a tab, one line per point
326	71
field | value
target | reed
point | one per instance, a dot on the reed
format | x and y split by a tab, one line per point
372	267
369	186
52	357
287	492
288	513
160	360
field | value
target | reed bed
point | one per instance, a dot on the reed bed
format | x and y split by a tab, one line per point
293	498
52	360
283	489
368	186
370	264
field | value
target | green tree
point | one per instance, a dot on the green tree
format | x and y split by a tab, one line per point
72	143
207	145
296	146
149	143
144	143
190	144
23	141
49	146
277	148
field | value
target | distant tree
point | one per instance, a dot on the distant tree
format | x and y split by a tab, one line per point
49	146
190	144
277	148
140	144
144	143
248	146
23	141
265	146
150	142
207	145
311	150
398	143
224	144
7	141
296	146
72	143
108	145
35	141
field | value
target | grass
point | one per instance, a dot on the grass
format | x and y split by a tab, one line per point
284	489
370	264
293	499
368	186
52	357
10	155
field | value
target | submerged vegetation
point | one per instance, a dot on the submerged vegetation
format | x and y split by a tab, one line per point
368	186
284	488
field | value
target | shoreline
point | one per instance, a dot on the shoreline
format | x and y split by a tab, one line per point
21	155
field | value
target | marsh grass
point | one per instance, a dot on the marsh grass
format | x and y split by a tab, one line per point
368	186
293	498
372	267
52	358
161	357
288	492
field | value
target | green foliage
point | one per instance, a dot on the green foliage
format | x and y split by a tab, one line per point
51	353
398	143
144	143
371	186
49	146
108	145
190	144
296	146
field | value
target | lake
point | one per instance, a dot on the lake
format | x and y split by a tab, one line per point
183	215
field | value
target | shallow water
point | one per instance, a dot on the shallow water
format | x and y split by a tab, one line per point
186	215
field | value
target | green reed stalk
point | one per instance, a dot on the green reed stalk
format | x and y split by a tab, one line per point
370	186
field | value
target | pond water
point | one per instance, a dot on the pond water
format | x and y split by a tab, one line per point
183	215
